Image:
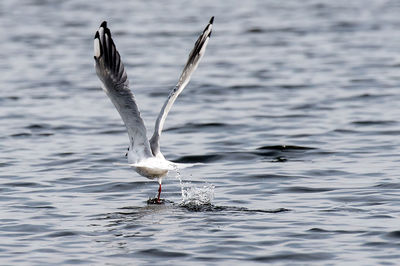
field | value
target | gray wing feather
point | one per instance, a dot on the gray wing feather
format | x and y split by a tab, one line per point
111	72
193	61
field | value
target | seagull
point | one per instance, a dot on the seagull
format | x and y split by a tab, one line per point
144	154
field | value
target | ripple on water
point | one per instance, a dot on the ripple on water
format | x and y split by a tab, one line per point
195	127
394	234
228	209
108	187
198	158
276	153
374	122
295	257
163	253
298	189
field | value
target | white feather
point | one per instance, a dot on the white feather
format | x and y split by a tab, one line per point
96	47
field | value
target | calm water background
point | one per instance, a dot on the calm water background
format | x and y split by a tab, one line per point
294	112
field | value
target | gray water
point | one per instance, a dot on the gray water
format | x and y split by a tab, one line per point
293	111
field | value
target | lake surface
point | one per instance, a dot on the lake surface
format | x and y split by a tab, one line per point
293	111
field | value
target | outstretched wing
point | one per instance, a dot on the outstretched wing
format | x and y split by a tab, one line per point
111	72
193	61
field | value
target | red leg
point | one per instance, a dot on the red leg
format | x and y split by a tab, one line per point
159	193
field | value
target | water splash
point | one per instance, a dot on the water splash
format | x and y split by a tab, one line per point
192	195
195	196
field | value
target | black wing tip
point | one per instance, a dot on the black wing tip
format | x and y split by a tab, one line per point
97	35
104	24
209	25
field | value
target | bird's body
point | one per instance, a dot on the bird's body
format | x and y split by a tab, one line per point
153	167
143	155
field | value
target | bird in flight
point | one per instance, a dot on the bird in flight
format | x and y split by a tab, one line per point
144	154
